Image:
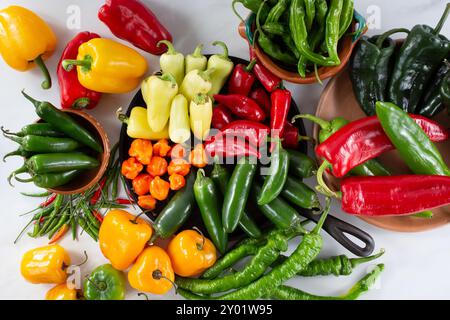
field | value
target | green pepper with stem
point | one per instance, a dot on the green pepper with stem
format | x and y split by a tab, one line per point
208	201
420	56
346	17
36	129
39	144
310	10
196	60
277	11
105	283
301	165
51	180
19	152
432	102
332	26
63	122
300	194
172	62
222	66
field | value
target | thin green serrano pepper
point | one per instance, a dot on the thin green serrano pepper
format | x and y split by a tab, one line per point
237	193
56	209
208	201
277	175
332	26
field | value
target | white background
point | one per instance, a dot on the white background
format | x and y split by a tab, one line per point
416	264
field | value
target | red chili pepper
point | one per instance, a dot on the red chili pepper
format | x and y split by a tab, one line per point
97	216
364	139
255	132
262	99
394	195
291	136
134	22
124	201
242	80
227	147
241	106
281	103
267	78
59	234
73	94
98	192
49	201
221	117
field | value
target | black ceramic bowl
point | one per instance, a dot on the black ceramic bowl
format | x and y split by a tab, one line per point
195	219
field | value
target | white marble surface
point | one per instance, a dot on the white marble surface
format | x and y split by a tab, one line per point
416	264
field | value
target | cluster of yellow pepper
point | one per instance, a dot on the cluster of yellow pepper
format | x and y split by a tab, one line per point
124	240
103	65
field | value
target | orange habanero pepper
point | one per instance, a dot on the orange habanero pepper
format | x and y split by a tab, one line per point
161	148
141	184
191	253
157	166
142	150
198	157
131	168
61	292
178	152
179	166
152	271
159	189
177	181
147	202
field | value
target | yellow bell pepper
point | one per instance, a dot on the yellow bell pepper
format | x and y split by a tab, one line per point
122	237
107	66
61	292
137	125
158	92
26	40
152	272
45	265
201	111
179	127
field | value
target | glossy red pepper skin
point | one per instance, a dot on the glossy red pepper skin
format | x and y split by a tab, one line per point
394	195
265	77
256	133
242	79
133	21
364	139
290	137
281	103
241	106
228	147
261	98
221	117
73	94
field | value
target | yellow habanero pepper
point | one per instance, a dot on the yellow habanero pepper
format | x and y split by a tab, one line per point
45	265
152	272
191	253
104	65
200	111
138	127
26	41
61	292
122	237
158	92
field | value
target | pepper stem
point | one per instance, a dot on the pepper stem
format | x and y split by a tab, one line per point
322	219
198	51
222	44
81	103
250	66
441	22
323	187
6	131
11	154
233	6
86	258
170	48
85	64
33	101
200	246
47	83
323	124
144	295
357	261
122	116
13	138
22	169
157	275
387	34
316	74
168	77
206	75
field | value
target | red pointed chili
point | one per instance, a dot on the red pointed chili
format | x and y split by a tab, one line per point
242	79
254	132
97	216
241	106
99	191
261	98
394	195
221	117
281	103
124	201
228	147
265	77
364	139
49	201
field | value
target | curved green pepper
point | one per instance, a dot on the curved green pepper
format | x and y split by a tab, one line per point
301	165
36	129
39	144
60	162
300	194
105	283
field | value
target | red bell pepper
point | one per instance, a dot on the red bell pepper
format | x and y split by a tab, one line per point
241	80
281	103
364	139
265	77
241	106
223	146
73	94
134	22
262	99
394	195
221	117
256	133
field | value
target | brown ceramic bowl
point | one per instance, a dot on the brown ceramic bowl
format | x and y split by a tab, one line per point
338	100
346	45
90	177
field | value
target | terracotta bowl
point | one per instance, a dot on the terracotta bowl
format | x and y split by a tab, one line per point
338	100
346	45
89	177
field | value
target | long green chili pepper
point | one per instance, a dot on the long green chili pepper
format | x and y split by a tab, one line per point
89	216
276	176
36	129
50	180
59	162
65	216
332	26
19	152
276	11
37	221
310	10
85	226
346	17
288	293
56	210
37	195
39	144
414	146
275	28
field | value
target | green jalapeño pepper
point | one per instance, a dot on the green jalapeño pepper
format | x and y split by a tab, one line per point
41	144
59	162
432	102
300	194
196	60
63	122
51	180
105	283
222	66
301	165
370	69
172	62
419	58
36	129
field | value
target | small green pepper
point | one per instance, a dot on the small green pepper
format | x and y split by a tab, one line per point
59	162
196	60
301	165
51	180
39	144
36	129
105	283
222	65
300	194
172	62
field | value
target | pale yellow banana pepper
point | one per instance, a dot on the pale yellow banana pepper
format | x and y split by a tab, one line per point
196	82
179	126
26	40
137	125
201	111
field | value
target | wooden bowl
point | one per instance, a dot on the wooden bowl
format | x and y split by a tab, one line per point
346	45
338	100
91	177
